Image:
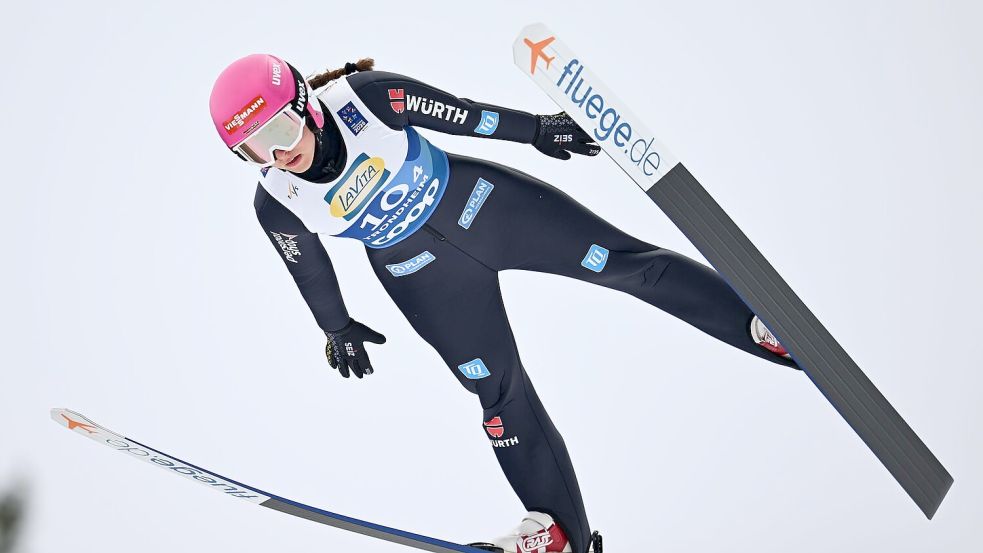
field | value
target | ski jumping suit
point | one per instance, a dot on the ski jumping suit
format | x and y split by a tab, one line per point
439	227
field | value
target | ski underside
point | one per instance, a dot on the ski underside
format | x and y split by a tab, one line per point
82	425
566	79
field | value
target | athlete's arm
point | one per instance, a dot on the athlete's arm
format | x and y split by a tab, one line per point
308	263
400	101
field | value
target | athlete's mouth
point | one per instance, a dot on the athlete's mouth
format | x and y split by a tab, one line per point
294	161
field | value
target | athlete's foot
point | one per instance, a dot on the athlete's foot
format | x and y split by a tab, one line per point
537	533
764	338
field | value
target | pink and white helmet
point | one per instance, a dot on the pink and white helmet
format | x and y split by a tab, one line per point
260	104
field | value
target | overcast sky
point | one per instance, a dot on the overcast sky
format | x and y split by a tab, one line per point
844	137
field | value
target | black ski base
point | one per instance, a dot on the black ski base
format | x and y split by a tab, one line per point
812	347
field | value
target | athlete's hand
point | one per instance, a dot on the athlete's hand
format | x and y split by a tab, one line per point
558	135
346	348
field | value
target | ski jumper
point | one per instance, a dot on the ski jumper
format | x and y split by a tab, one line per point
439	227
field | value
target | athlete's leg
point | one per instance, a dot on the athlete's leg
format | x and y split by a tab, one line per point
525	223
454	303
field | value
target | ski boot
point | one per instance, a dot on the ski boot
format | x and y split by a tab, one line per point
766	339
537	533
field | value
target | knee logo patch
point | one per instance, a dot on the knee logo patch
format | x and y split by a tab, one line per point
481	191
596	258
474	370
411	266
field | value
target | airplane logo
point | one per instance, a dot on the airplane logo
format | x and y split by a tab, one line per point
537	52
73	424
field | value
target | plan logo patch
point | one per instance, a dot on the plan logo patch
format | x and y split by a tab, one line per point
478	196
596	258
488	124
397	99
356	186
474	370
411	266
353	118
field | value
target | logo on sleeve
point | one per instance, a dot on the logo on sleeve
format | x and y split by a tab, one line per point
596	258
397	99
435	109
353	118
488	124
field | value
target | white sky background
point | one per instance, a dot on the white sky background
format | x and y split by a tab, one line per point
138	288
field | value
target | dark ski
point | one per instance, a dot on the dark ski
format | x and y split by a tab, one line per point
82	425
564	77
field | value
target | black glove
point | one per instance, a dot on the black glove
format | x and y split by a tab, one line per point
346	351
558	135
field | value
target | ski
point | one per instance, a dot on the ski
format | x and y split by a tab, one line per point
82	425
567	80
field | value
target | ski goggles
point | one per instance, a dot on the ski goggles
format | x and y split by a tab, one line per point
282	132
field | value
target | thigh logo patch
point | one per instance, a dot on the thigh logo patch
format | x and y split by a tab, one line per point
474	370
482	189
596	258
411	266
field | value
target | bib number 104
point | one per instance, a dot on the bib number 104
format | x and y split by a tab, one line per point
399	198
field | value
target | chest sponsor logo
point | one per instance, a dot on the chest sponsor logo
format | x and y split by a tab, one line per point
292	191
478	196
245	115
474	370
435	109
411	266
397	99
488	123
288	245
596	258
353	118
356	186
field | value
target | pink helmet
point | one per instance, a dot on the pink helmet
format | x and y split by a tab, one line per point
254	89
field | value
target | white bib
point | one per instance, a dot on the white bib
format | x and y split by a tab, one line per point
390	185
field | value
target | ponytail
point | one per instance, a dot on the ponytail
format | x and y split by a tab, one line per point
320	79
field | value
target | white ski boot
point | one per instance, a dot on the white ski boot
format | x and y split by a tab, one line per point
766	339
537	533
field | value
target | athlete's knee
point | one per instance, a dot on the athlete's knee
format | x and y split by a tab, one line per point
629	271
489	380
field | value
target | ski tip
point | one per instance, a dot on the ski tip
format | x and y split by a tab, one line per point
533	32
57	415
533	39
77	422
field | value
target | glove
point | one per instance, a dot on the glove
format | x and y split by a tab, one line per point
346	350
558	135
